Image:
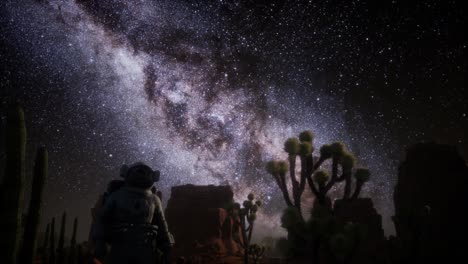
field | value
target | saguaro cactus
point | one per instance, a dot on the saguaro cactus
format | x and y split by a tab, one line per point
72	253
45	244
80	259
32	223
52	242
61	241
12	195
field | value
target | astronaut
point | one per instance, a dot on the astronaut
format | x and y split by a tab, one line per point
132	221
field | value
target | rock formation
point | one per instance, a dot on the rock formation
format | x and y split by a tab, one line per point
431	210
371	249
199	222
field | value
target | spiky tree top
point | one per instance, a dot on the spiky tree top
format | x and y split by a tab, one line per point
305	148
291	146
306	136
256	252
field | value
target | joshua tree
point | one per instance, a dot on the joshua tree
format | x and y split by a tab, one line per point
319	181
256	253
61	241
244	218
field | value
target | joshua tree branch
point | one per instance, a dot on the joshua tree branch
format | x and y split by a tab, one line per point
359	185
307	163
284	189
318	164
334	168
347	189
250	231
334	177
280	180
292	174
343	176
312	186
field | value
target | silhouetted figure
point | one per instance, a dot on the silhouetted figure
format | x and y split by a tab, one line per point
132	220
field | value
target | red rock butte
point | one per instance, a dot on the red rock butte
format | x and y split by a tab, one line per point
199	222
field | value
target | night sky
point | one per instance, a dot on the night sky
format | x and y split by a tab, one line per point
208	92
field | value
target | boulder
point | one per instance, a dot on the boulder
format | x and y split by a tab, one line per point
360	211
372	247
199	222
431	209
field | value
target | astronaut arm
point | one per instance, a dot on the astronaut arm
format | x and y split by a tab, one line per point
164	237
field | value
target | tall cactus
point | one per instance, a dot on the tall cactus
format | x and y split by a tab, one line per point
61	241
52	242
45	244
28	248
72	253
80	259
12	196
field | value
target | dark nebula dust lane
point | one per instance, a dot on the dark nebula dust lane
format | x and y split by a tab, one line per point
207	92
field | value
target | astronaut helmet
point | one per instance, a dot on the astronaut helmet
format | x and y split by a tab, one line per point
139	175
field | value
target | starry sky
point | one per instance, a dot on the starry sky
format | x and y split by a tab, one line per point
207	91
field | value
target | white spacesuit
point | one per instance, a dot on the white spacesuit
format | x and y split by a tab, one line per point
132	220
